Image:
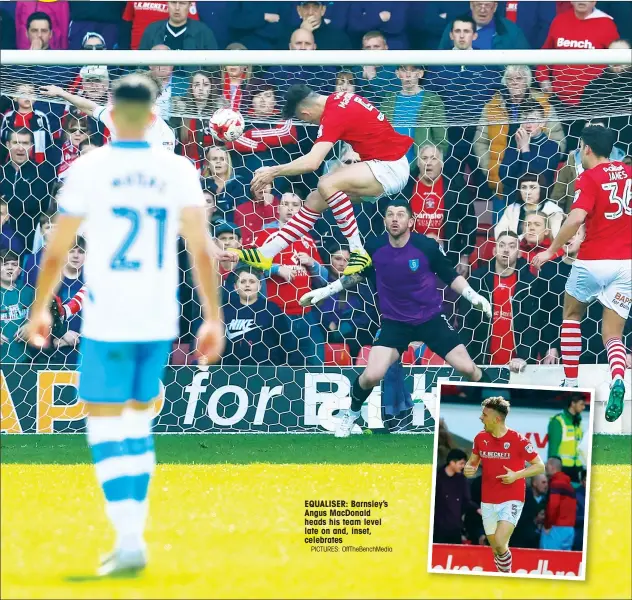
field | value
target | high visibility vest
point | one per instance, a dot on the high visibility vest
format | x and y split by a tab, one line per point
572	435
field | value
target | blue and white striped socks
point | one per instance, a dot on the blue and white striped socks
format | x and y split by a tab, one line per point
123	453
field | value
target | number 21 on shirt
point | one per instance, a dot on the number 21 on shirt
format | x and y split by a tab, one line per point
120	261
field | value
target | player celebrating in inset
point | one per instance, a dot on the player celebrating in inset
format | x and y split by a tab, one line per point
503	453
132	200
603	269
383	169
405	269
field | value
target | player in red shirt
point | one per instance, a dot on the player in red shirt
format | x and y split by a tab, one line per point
603	268
383	169
503	453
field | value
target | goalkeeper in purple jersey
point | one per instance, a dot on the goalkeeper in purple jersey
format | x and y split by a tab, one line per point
404	269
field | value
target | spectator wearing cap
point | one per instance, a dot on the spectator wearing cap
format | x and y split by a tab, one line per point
499	121
561	509
494	32
257	25
389	17
415	111
25	184
231	190
452	499
42	25
428	20
512	334
178	32
10	239
583	27
530	150
257	214
375	82
95	23
326	37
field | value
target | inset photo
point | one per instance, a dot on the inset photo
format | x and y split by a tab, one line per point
511	481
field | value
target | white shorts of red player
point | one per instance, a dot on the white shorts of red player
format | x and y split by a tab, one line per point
392	174
505	511
609	281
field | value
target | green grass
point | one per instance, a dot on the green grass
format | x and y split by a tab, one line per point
279	449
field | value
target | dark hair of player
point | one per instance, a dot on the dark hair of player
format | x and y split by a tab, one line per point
399	202
297	93
508	232
456	454
9	256
498	404
600	139
39	16
465	19
529	107
135	88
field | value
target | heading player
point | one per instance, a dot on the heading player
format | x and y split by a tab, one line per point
603	269
404	272
158	133
132	199
383	169
503	453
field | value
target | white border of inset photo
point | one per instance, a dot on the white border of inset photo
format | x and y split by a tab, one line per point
591	419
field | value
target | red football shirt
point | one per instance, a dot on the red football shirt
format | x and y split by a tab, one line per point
142	14
605	193
286	294
502	344
353	119
511	450
428	207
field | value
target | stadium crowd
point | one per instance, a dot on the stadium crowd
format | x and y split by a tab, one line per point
492	168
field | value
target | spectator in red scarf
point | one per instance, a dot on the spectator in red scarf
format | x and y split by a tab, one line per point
75	132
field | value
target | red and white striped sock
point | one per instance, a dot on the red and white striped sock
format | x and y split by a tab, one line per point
503	562
297	227
343	213
616	357
571	345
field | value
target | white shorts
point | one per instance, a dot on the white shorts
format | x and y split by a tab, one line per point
506	511
609	281
392	174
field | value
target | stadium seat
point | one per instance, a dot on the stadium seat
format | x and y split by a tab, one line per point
363	356
409	357
430	358
337	355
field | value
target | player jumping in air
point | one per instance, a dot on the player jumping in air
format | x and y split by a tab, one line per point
603	269
383	169
503	453
132	200
405	266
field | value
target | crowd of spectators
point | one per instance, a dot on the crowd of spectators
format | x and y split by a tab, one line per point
492	168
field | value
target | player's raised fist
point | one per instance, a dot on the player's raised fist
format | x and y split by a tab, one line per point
211	341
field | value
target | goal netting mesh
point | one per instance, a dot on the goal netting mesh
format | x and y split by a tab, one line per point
496	149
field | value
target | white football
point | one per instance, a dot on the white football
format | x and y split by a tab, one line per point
226	125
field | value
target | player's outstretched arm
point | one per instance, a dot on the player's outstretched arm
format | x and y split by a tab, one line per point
569	228
55	257
344	283
535	468
83	104
205	275
462	287
472	465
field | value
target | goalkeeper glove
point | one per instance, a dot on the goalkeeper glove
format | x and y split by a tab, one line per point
58	315
478	301
318	295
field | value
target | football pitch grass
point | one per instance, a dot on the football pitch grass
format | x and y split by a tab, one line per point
227	521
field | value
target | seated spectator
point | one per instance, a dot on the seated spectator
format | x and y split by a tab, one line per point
295	271
452	499
495	32
442	206
231	191
179	31
32	262
415	111
499	121
582	27
10	239
42	25
564	189
256	25
513	332
15	301
25	184
428	20
612	89
529	151
326	36
529	198
257	332
259	213
529	527
235	81
561	509
375	82
75	132
95	24
389	17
